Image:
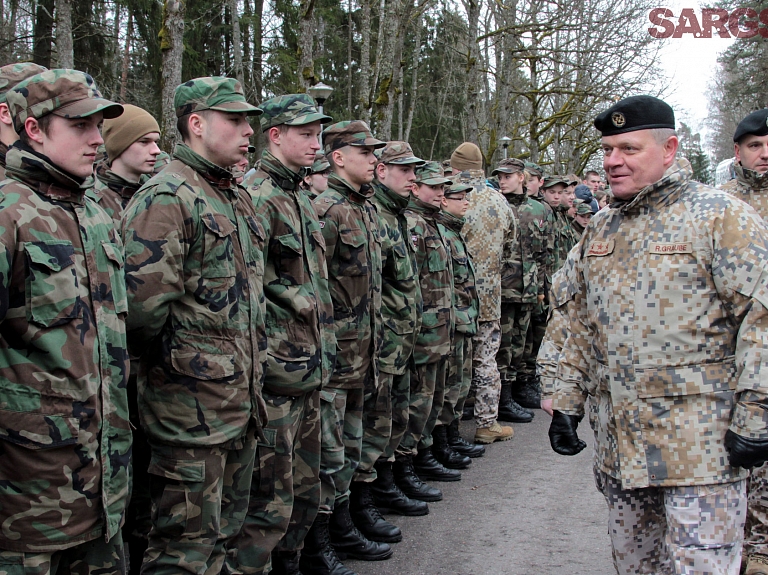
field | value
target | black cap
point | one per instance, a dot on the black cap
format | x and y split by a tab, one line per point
756	124
635	113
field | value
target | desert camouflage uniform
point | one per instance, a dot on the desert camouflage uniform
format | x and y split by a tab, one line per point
301	349
466	308
487	223
353	254
65	440
673	363
387	420
751	187
433	343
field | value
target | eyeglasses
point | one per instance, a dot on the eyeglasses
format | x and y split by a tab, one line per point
325	174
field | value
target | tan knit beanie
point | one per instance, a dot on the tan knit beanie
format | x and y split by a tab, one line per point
467	157
121	132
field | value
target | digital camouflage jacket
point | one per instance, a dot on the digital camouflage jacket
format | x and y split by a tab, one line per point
668	331
433	263
401	308
466	306
751	187
350	227
524	260
194	271
66	440
488	221
299	315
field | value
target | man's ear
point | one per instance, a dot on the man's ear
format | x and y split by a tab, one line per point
5	115
196	124
34	132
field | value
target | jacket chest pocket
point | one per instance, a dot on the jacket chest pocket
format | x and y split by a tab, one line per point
291	266
255	245
402	265
460	269
436	255
116	276
219	256
52	288
352	257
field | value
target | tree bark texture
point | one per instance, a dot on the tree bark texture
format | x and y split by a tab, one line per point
172	46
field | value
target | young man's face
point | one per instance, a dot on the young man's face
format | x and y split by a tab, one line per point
295	146
568	196
532	184
553	194
398	178
225	137
319	182
72	144
139	158
456	204
430	193
592	182
752	152
511	183
635	160
357	164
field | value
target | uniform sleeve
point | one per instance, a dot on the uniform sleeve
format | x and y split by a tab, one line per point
6	265
157	234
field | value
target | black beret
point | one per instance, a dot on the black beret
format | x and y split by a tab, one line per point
756	124
635	113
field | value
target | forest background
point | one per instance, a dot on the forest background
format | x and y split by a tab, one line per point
432	72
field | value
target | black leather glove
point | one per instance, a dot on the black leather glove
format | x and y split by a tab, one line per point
562	434
744	452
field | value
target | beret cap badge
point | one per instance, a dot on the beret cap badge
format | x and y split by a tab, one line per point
618	119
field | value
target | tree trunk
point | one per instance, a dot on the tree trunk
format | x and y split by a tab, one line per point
44	33
236	42
367	85
126	58
306	45
414	79
246	40
385	69
64	43
473	71
172	46
258	33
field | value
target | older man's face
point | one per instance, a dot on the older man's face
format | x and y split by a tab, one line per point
752	152
635	160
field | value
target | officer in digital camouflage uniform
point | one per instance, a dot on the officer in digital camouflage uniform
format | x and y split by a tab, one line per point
449	444
385	413
488	221
677	425
285	492
317	181
433	343
194	272
65	439
751	185
11	75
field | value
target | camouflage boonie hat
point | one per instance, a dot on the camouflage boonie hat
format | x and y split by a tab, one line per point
65	93
431	173
458	188
211	93
399	153
320	164
291	110
550	181
349	133
582	208
509	166
12	74
534	169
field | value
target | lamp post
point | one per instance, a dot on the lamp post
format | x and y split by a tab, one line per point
504	141
320	92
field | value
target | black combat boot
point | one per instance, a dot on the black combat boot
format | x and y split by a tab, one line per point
443	452
430	469
389	498
285	562
509	410
458	443
527	392
469	413
367	516
318	556
349	542
410	483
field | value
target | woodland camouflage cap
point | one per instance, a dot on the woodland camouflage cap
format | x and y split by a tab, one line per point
12	74
458	188
509	166
397	152
291	110
582	208
65	93
211	93
550	181
320	164
431	173
349	133
534	169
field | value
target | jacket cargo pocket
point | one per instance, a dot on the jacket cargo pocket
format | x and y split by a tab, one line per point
219	257
460	269
686	380
204	366
38	430
255	245
116	276
291	262
352	257
180	504
402	263
436	255
267	462
52	289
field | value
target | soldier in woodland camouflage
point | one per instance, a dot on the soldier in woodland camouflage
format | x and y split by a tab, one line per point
194	271
301	347
385	412
466	307
561	239
65	439
583	215
317	181
487	222
678	422
11	75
